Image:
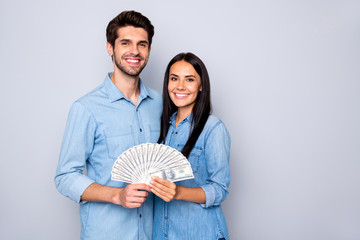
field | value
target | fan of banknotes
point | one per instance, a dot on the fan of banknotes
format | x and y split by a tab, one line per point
139	163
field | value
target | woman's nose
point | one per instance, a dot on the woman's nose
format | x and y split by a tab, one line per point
181	85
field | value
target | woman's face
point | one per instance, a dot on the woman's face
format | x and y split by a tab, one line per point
184	86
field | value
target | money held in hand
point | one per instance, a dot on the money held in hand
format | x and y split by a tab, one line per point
139	163
174	174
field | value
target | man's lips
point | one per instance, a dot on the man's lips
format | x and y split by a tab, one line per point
133	61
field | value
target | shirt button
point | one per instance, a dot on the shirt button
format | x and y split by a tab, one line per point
140	130
165	217
176	132
140	215
165	235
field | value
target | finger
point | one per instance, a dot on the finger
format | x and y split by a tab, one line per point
137	193
170	187
129	200
132	205
160	195
165	192
161	181
139	186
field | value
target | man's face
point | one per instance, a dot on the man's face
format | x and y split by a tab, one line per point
131	51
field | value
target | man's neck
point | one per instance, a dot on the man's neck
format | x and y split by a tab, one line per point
128	85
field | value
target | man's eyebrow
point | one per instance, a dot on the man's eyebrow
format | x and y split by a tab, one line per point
144	41
128	40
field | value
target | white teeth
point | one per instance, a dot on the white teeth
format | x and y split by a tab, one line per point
181	95
132	61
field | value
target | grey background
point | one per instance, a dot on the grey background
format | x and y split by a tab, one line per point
285	80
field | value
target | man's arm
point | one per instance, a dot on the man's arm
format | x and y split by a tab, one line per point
132	196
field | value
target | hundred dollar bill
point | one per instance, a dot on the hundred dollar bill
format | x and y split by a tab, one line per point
176	173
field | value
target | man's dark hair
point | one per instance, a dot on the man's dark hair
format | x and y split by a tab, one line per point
201	109
128	18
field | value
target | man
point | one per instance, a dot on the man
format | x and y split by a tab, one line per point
120	113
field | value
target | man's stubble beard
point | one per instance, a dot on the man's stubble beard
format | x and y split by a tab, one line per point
134	72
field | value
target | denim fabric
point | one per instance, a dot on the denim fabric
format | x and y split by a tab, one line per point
101	125
209	159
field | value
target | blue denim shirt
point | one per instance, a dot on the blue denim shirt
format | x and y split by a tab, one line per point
101	125
209	159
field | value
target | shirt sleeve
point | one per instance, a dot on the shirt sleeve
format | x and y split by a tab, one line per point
217	155
76	148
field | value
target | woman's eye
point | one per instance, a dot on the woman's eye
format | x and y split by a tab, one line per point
190	80
173	78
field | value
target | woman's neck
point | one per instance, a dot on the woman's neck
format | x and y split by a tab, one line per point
181	115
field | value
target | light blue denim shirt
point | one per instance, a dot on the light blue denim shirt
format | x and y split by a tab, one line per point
209	159
101	125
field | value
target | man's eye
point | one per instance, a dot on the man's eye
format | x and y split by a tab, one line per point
124	43
142	45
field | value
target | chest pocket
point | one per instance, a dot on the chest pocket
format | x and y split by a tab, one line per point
154	131
117	144
194	157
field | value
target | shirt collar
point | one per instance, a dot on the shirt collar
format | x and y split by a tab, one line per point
115	94
187	119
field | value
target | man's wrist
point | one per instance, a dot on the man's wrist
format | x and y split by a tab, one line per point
116	195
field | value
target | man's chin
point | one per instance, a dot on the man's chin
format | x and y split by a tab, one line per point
134	72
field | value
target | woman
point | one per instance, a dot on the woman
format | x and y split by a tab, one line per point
191	209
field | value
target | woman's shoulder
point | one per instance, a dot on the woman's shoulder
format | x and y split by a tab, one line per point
214	122
216	129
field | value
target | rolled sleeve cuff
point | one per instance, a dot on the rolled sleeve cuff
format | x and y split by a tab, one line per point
79	186
210	196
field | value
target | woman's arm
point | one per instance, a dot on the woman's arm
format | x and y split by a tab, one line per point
168	191
215	190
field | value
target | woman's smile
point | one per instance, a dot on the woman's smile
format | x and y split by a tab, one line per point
184	86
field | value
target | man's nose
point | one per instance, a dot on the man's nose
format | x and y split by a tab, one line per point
135	49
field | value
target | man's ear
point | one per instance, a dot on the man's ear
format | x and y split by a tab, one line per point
109	49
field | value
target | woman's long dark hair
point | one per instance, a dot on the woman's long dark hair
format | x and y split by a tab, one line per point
202	107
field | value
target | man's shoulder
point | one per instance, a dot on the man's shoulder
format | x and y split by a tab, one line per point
154	94
94	95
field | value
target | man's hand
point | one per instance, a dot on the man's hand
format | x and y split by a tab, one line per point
132	196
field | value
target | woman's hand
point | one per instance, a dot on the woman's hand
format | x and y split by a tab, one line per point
163	189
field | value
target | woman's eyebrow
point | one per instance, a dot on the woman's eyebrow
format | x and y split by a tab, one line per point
173	74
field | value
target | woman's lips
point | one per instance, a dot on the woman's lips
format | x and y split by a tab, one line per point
181	96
